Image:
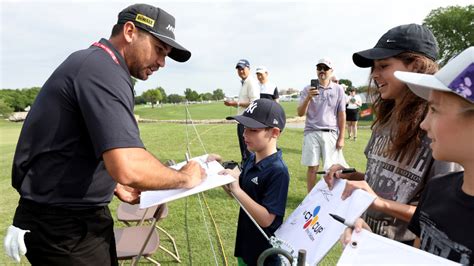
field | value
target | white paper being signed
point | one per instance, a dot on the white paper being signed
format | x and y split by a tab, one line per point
367	248
156	197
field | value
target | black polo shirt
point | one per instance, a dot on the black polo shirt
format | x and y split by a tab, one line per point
267	184
84	109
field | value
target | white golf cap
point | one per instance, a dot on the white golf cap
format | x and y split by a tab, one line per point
326	61
261	69
457	76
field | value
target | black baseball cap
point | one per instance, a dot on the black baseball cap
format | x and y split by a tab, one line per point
158	23
405	38
262	113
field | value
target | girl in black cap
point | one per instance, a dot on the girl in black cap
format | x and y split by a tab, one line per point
399	160
443	219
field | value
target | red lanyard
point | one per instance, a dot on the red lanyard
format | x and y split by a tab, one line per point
107	49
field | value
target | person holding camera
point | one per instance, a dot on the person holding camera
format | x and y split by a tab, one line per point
324	104
354	102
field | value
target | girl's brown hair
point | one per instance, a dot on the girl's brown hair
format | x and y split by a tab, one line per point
407	135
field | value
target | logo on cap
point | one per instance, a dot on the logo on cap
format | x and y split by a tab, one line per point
463	83
170	28
251	107
145	20
388	40
275	122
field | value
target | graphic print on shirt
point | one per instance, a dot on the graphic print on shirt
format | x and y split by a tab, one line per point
392	180
437	242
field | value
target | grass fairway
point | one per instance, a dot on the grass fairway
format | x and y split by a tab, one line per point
185	219
215	110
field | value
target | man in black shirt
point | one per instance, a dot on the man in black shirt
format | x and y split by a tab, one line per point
80	144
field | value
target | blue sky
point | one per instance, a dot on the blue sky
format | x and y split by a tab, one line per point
287	37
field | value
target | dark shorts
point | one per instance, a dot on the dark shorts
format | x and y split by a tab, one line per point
62	236
352	114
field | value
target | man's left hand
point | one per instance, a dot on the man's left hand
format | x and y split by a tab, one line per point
127	194
14	242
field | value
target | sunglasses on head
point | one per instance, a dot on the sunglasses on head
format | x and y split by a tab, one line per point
322	67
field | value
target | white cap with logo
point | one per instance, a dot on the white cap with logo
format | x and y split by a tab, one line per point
325	61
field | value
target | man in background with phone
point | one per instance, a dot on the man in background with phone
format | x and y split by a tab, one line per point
323	102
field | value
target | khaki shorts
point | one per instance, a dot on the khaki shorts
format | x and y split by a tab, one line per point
321	145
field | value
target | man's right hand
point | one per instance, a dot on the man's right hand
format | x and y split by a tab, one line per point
195	172
313	92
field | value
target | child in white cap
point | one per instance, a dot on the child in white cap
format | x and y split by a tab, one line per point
443	220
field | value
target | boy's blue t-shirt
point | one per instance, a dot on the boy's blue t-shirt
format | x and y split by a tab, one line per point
267	183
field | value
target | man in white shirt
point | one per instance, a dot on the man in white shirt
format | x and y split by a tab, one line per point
268	89
249	92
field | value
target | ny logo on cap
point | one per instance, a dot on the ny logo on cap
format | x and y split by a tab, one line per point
251	107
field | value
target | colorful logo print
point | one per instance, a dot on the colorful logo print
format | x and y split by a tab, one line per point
311	219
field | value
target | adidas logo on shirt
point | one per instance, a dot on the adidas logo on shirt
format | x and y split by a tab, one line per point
255	180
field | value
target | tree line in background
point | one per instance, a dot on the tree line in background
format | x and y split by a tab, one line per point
157	95
452	27
16	100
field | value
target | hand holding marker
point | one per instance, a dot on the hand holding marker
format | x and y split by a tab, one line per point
344	222
343	171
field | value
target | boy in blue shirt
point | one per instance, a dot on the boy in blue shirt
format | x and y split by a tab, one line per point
262	186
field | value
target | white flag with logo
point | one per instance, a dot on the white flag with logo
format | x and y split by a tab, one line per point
311	228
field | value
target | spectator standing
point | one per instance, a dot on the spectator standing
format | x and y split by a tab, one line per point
268	89
324	105
354	102
249	92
